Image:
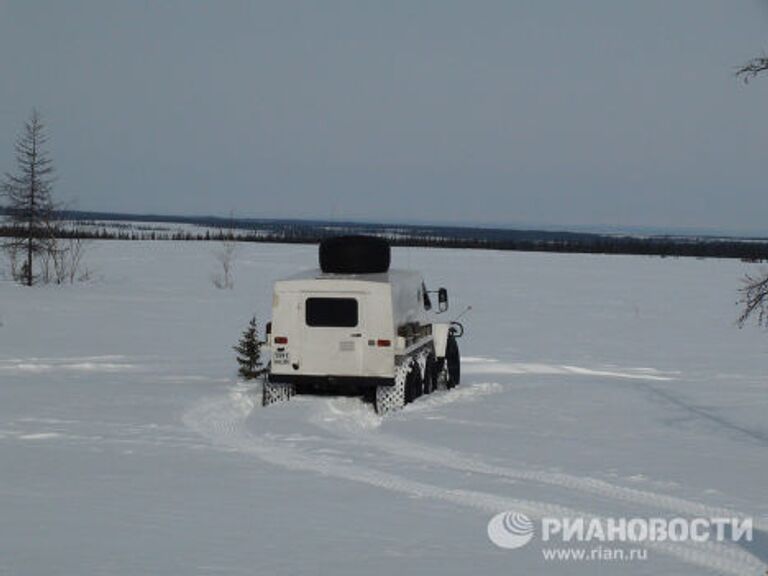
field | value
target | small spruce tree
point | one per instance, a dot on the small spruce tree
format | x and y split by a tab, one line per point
249	352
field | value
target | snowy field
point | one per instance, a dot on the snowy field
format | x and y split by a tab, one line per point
592	385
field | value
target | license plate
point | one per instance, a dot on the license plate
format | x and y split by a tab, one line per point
280	357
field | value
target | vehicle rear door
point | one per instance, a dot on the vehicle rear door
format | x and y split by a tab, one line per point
333	333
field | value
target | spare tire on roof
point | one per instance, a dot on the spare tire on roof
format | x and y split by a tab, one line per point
354	255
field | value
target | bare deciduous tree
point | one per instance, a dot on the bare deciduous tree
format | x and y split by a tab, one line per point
754	299
752	68
65	257
754	292
30	207
225	256
76	250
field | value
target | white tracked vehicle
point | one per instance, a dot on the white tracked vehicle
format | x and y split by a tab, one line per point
355	327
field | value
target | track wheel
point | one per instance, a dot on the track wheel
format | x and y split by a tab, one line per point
430	374
272	393
392	398
413	383
452	362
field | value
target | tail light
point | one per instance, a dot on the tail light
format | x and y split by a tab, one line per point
383	343
281	340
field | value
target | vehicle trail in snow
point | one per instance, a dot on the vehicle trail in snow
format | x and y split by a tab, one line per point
641	377
85	364
357	428
481	365
222	421
755	435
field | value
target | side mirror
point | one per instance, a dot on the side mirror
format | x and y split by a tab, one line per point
269	328
442	300
426	298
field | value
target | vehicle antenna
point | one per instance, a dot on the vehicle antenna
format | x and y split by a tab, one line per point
467	309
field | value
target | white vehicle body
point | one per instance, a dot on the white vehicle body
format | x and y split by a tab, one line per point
349	330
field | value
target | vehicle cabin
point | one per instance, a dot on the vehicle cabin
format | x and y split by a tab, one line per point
346	325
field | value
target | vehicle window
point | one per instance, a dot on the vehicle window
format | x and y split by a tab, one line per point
331	312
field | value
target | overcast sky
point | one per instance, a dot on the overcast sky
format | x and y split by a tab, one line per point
560	113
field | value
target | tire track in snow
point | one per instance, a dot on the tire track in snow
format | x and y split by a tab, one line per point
756	435
480	365
222	421
642	377
348	425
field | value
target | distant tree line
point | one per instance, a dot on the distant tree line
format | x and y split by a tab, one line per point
477	238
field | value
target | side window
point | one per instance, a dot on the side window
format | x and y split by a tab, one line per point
331	312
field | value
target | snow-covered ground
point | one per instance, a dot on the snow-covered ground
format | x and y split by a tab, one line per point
592	385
